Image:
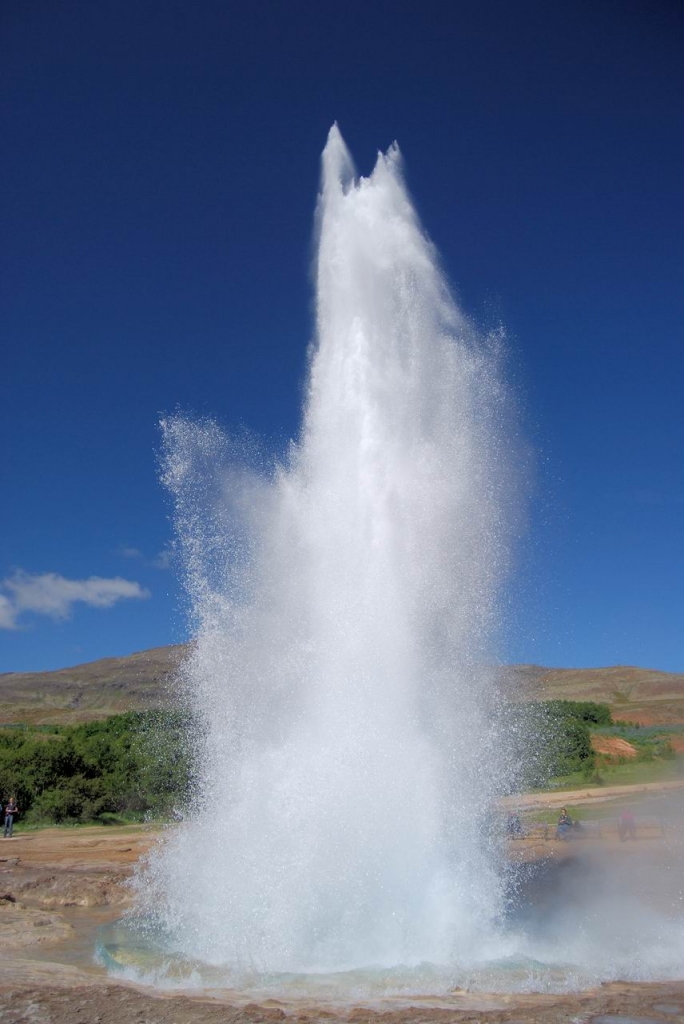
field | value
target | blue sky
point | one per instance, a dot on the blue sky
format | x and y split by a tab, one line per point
158	177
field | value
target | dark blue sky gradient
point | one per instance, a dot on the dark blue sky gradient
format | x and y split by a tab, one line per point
158	179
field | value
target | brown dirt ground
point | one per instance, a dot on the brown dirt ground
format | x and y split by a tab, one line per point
82	1003
575	797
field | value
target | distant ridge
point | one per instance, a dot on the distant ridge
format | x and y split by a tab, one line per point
641	695
93	690
148	680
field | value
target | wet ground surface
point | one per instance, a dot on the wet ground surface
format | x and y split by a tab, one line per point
65	884
78	1002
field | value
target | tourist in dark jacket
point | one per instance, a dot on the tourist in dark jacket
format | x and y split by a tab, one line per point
10	810
564	825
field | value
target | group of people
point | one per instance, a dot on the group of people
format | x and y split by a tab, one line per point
10	810
516	830
626	825
567	827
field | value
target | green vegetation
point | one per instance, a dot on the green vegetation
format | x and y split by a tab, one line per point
553	748
587	711
650	741
119	769
553	739
139	764
583	812
564	757
631	772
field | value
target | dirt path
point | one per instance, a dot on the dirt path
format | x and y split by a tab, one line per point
561	798
87	847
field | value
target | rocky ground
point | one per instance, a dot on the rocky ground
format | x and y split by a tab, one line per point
89	1003
57	886
54	881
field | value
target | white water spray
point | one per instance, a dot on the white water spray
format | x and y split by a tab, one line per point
344	612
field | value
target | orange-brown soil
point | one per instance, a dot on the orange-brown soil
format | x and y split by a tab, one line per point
612	746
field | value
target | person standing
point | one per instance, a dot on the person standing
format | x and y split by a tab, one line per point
626	825
10	810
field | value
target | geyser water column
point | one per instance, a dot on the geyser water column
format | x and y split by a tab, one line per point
344	606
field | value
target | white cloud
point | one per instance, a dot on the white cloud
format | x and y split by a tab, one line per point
164	560
53	595
127	551
8	616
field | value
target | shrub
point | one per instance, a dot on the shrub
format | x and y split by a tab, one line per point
131	764
552	738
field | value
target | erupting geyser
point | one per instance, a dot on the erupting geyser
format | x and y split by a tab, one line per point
345	605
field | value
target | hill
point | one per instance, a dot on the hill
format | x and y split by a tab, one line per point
94	690
146	680
634	694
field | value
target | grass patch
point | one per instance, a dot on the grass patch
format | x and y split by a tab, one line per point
637	771
636	732
631	772
122	823
583	812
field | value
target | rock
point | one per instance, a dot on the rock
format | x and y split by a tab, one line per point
72	889
21	927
